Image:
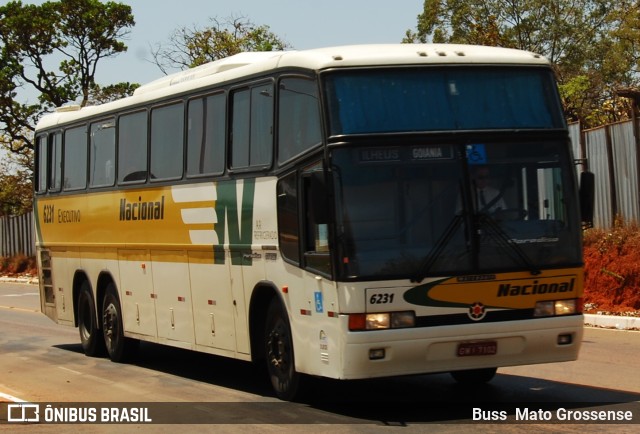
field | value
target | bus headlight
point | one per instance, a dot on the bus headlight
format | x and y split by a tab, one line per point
381	321
376	321
557	307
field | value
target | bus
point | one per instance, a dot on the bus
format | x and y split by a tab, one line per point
317	211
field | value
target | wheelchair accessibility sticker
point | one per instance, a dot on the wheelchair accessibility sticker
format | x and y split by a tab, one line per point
476	154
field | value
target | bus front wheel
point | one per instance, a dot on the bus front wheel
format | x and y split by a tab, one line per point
119	348
279	353
90	334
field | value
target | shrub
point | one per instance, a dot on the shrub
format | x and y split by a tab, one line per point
18	264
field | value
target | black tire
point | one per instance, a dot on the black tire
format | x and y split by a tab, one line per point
120	348
91	336
279	353
474	376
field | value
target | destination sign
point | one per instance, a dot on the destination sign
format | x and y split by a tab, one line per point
408	154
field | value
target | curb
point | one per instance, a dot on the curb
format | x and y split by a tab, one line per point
26	280
613	321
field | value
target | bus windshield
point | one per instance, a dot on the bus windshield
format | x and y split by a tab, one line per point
417	211
439	99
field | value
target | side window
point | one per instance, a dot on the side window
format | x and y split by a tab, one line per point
316	219
252	127
75	158
240	129
288	226
102	168
167	141
302	198
206	135
43	160
55	166
132	148
299	117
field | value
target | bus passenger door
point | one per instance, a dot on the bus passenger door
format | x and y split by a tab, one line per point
136	292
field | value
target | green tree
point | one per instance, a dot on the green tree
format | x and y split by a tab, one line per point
593	44
16	194
192	46
54	49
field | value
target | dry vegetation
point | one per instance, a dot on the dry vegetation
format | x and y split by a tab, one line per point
17	265
612	269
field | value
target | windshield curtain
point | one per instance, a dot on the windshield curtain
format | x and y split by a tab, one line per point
417	211
437	99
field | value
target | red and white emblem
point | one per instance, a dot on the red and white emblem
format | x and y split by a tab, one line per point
477	311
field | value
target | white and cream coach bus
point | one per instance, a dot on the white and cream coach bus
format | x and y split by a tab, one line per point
318	211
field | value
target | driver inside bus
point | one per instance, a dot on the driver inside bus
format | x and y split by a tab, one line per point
486	199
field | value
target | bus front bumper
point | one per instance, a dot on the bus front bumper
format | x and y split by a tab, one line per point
371	354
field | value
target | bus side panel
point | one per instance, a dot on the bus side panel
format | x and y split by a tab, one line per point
311	303
136	292
212	302
174	313
64	262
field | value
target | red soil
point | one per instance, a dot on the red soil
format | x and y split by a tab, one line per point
612	269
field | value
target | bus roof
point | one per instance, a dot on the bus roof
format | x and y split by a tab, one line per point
247	64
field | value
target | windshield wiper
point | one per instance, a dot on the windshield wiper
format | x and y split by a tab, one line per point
507	242
432	257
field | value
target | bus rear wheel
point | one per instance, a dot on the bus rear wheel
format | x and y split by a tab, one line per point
91	336
279	353
474	376
119	347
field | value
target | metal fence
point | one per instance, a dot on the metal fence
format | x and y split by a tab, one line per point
611	153
17	235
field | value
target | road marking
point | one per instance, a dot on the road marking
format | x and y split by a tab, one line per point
70	370
20	309
89	377
10	397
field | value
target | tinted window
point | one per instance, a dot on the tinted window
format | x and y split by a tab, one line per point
252	127
167	137
241	129
433	99
288	226
103	153
206	136
132	147
55	168
42	163
75	158
299	117
261	125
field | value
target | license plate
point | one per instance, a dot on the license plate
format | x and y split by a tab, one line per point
486	348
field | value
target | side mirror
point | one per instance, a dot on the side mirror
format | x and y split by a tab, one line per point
587	198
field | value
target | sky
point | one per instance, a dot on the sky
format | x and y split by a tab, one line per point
304	24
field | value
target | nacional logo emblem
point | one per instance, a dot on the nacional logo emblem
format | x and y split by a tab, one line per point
477	311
